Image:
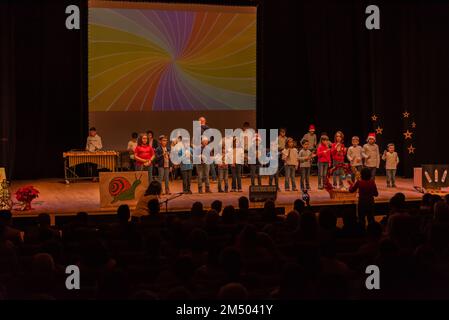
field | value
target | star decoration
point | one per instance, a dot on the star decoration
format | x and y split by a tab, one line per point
379	130
407	134
413	124
411	149
374	117
406	114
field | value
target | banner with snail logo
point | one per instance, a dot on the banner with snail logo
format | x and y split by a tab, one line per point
118	188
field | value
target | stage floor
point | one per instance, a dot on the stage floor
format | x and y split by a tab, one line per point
58	198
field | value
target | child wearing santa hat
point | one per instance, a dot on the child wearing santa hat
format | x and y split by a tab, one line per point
311	138
371	154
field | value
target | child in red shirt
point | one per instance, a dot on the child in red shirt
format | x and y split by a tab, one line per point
338	152
324	158
367	191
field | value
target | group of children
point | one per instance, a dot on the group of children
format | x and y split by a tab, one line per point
333	154
148	154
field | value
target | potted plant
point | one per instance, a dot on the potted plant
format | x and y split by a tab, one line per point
26	195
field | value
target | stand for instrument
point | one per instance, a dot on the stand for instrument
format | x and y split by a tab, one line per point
176	195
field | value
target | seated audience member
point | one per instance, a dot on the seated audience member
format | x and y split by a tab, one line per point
197	209
299	205
43	231
153	191
370	249
9	232
308	227
233	291
269	213
327	221
216	205
292	221
228	216
351	228
243	211
154	218
79	229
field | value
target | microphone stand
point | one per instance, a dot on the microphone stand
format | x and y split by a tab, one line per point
176	195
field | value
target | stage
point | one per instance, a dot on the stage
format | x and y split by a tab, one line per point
58	198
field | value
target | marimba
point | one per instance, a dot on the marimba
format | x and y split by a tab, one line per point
103	159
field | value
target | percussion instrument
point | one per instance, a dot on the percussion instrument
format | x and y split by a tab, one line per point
107	159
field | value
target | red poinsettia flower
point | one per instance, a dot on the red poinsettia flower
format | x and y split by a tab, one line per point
27	194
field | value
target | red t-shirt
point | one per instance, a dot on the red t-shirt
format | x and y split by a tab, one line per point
338	155
144	152
323	153
367	190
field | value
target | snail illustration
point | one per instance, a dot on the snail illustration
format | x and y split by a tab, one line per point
121	189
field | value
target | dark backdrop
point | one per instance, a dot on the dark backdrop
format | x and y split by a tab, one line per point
317	64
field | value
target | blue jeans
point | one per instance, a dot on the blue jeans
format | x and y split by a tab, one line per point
274	177
391	177
164	175
305	175
322	172
236	171
202	171
290	175
149	169
339	172
254	172
213	171
373	172
223	176
186	178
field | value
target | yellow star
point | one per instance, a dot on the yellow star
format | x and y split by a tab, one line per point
413	124
406	114
407	134
374	117
379	130
411	149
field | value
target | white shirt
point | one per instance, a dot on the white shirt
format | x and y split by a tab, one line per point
94	143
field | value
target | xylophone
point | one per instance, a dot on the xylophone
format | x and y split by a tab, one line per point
103	159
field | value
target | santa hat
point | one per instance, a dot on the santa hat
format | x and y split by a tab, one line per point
371	135
311	127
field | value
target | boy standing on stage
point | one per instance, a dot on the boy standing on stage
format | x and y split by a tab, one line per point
371	155
311	138
305	161
163	162
132	144
185	153
355	157
202	169
391	159
290	156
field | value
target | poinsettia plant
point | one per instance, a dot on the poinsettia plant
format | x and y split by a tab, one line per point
27	194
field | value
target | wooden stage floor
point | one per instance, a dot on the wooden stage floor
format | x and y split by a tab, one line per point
58	198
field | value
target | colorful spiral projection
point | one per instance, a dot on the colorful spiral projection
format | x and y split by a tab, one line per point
154	57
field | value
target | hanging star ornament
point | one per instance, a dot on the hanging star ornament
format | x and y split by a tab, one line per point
379	130
407	134
374	117
411	149
406	114
413	124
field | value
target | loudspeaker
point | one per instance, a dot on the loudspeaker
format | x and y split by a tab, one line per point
262	193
